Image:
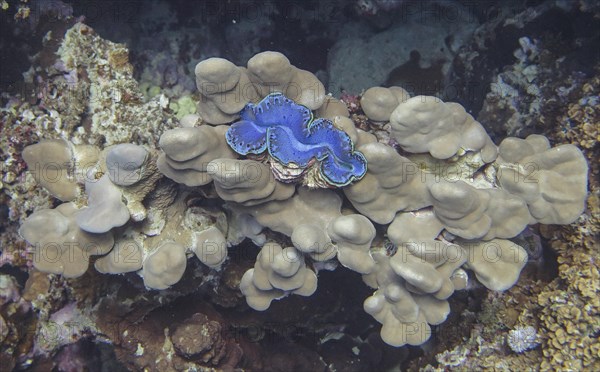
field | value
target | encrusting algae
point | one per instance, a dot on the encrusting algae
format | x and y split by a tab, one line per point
569	306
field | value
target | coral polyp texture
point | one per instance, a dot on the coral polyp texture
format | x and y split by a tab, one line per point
418	210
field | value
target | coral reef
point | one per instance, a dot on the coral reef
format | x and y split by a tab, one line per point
202	221
412	284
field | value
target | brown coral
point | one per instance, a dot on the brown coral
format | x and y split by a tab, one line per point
199	338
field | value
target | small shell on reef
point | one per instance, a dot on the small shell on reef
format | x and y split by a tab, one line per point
314	178
286	174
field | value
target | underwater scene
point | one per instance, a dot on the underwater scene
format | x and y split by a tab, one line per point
299	185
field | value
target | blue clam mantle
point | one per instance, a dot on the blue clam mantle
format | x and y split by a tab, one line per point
292	138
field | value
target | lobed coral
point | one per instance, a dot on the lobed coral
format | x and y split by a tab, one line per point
446	209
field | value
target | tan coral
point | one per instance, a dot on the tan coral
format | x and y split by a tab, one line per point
362	138
508	213
243	225
277	273
190	121
306	206
412	284
125	163
105	208
378	103
427	124
497	263
353	235
313	240
478	213
553	181
60	246
428	264
59	166
247	182
145	185
272	72
125	257
184	229
405	316
331	108
224	90
392	183
187	152
256	298
401	94
210	247
418	226
164	266
564	309
51	164
461	208
132	169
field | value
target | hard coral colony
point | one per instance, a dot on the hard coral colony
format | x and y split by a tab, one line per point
311	193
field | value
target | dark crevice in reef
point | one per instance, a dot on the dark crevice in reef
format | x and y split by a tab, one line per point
4	212
20	40
13	64
20	275
549	262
